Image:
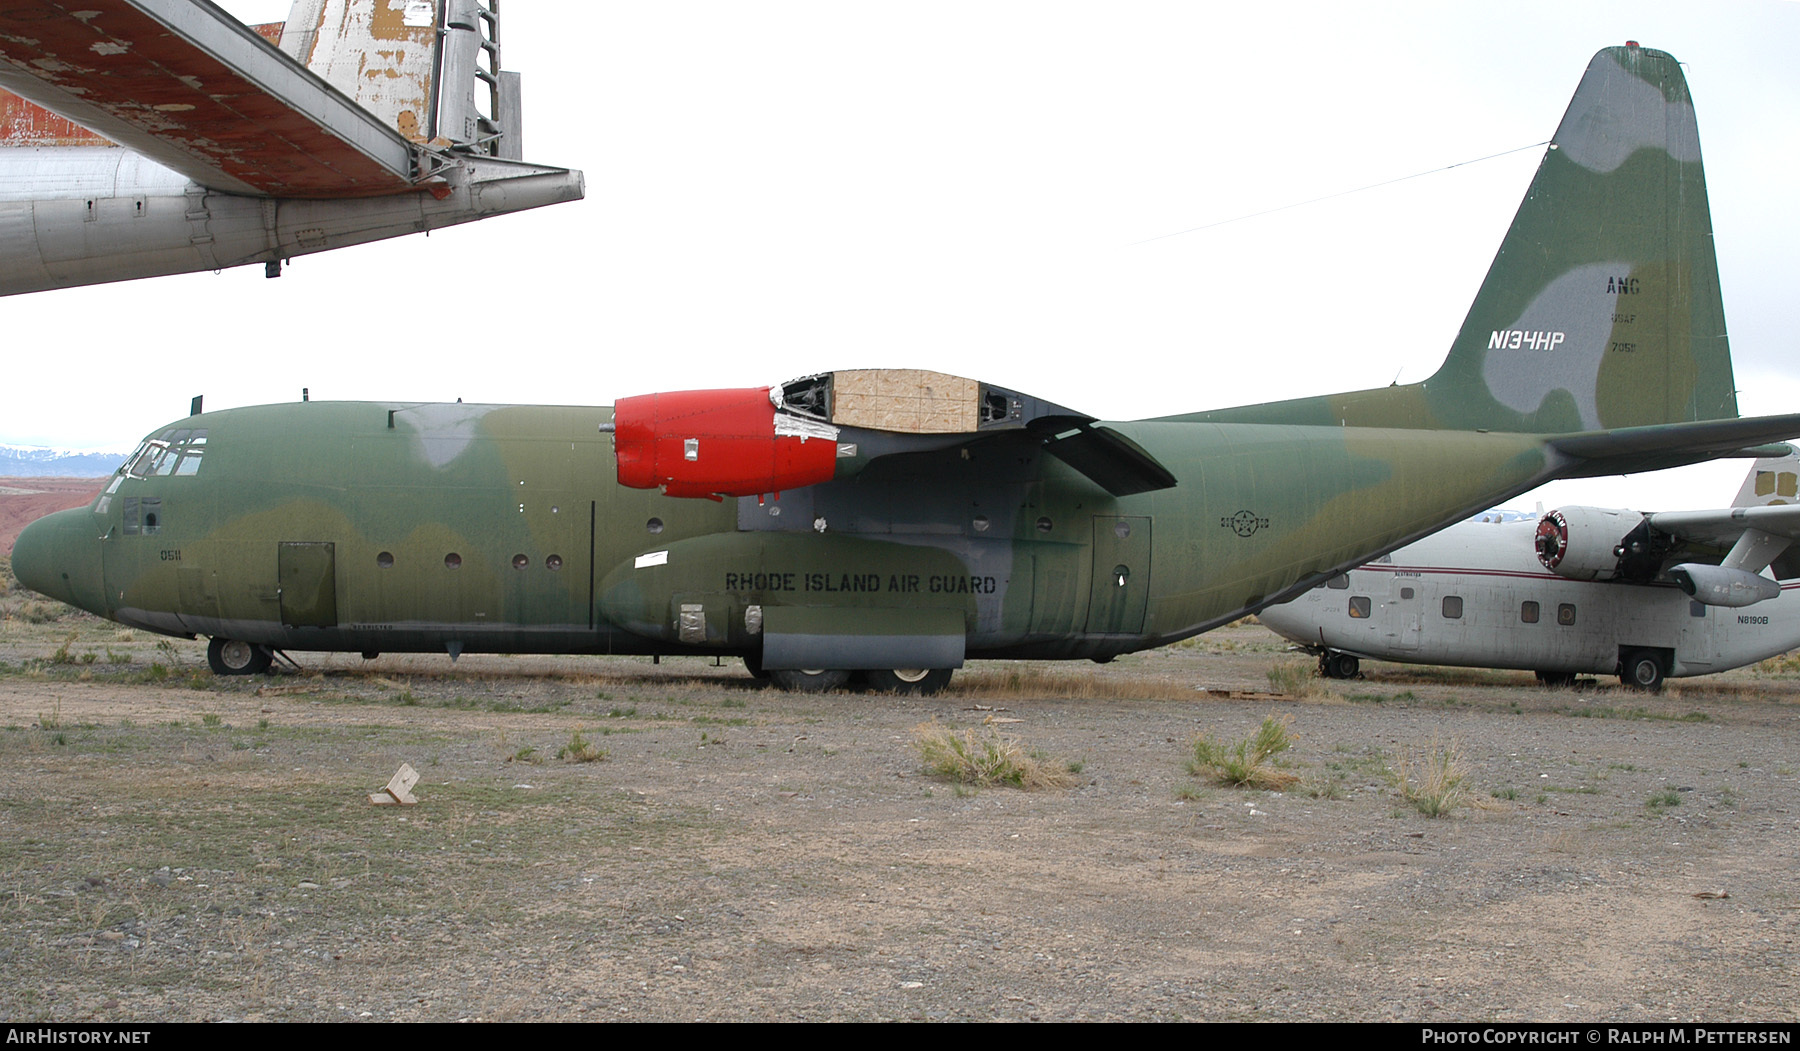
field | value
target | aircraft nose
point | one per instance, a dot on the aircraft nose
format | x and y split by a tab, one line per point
58	556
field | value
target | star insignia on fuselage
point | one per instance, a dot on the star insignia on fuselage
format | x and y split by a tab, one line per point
1244	523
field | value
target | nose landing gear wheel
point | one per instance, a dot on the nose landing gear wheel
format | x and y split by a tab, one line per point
1339	666
232	657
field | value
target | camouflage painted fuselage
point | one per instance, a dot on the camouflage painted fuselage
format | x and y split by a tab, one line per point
317	526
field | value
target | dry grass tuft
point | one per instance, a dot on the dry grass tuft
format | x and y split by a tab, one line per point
987	757
1040	680
1296	679
578	750
1246	764
1436	782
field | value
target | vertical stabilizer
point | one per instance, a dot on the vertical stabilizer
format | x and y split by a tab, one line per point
429	70
1774	480
1602	308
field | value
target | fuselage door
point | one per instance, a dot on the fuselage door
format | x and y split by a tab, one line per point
1695	646
1121	588
308	575
1404	609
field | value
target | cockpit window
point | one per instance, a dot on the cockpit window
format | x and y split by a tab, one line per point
175	451
143	463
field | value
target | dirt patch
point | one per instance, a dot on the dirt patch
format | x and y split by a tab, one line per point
175	846
25	500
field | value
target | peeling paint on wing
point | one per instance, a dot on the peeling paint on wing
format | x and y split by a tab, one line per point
443	431
1636	116
24	124
1556	343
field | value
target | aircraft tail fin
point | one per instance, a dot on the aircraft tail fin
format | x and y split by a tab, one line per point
430	71
1602	308
1772	480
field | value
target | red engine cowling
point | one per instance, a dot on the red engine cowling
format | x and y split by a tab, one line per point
1585	543
718	443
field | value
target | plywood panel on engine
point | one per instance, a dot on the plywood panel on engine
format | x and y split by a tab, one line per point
914	401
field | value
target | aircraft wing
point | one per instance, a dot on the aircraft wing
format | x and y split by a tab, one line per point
756	440
190	87
1723	528
1747	538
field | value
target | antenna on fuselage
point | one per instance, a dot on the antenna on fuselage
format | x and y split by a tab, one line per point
194	406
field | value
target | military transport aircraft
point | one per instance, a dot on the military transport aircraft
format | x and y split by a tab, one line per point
373	119
892	524
1576	590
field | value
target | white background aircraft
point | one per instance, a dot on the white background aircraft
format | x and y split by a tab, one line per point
1576	590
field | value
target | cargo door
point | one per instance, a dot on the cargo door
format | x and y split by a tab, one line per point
1121	586
308	584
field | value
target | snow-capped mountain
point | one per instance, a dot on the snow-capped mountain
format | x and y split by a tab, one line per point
24	461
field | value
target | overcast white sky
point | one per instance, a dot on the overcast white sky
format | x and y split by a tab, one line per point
779	188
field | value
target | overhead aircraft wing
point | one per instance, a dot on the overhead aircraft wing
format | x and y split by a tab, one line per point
187	85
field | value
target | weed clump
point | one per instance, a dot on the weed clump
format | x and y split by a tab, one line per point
1295	679
1435	783
1246	764
578	750
986	757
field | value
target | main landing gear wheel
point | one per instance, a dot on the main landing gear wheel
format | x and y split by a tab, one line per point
232	657
1339	666
1642	670
753	665
809	680
916	682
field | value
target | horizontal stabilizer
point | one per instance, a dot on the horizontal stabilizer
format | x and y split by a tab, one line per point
1112	461
1659	446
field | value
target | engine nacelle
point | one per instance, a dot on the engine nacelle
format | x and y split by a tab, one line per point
1718	586
718	443
1590	543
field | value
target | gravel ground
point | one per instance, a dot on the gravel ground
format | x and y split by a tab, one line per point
179	847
